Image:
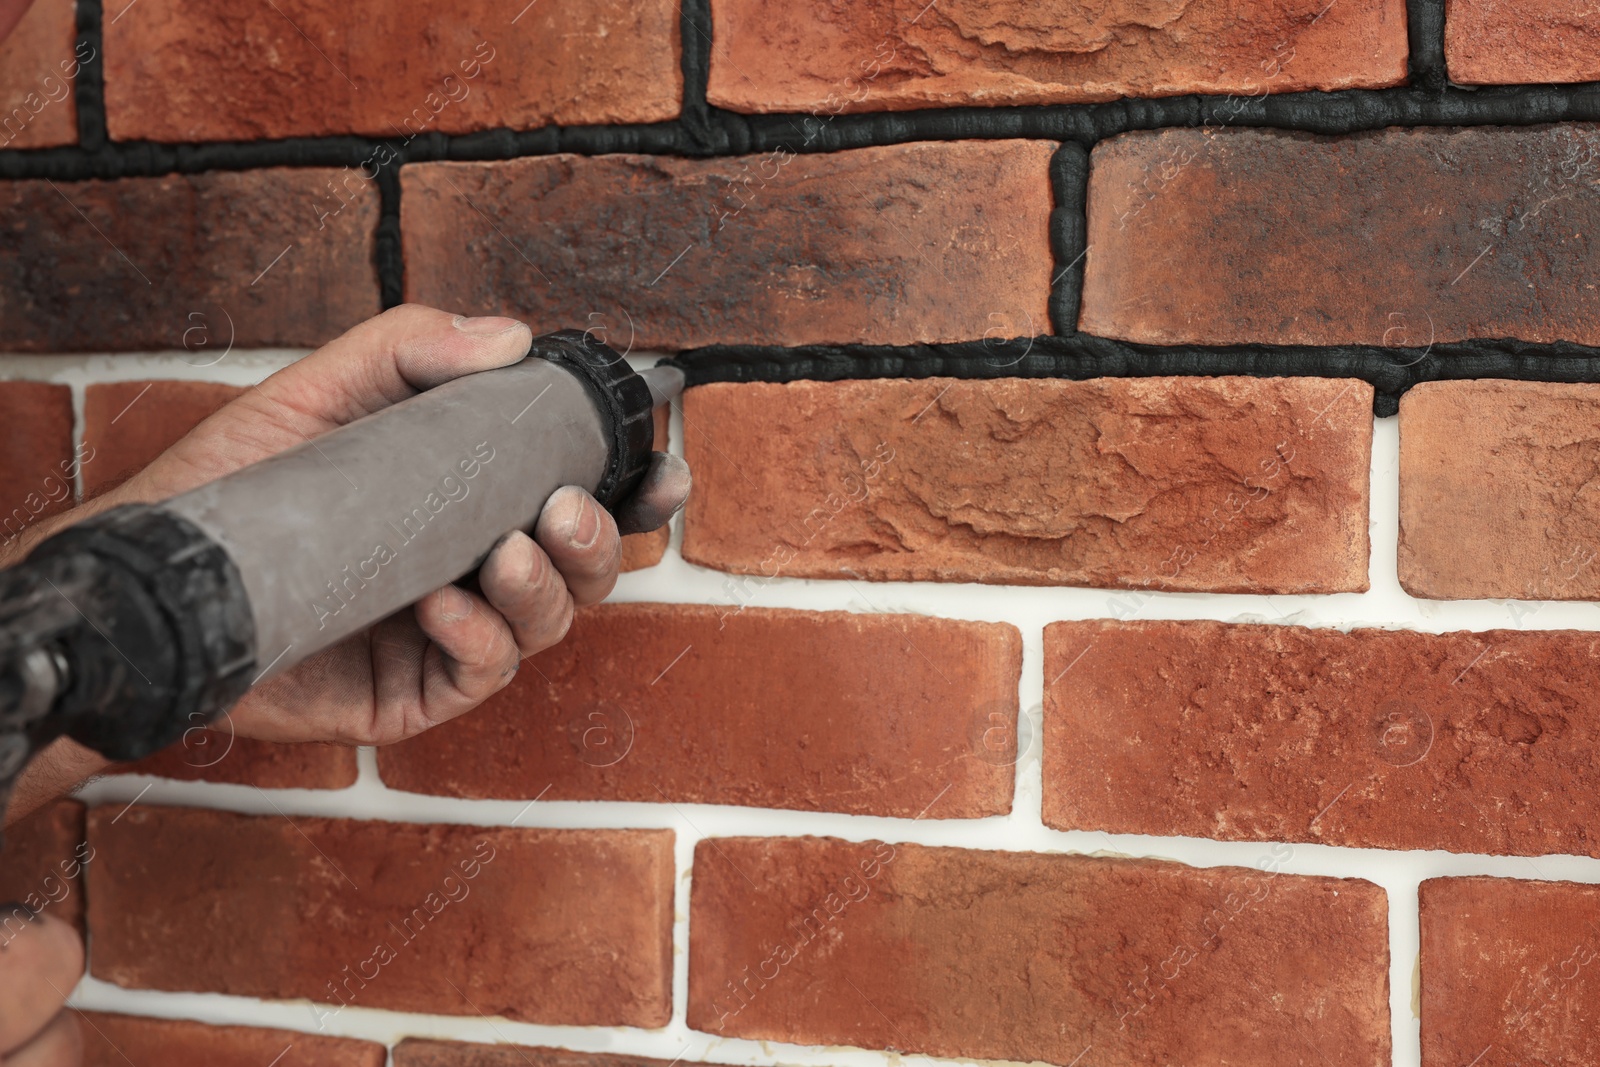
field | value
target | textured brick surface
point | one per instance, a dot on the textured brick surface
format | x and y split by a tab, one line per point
1469	742
877	55
129	424
414	1052
646	549
1386	238
38	464
1225	484
827	711
1495	480
1022	956
234	70
42	865
39	63
118	1040
548	926
912	242
220	755
259	257
1509	972
1501	42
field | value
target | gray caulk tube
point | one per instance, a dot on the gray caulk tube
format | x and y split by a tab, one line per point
147	620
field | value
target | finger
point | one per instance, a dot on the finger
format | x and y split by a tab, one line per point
522	584
582	542
472	654
391	357
41	960
59	1045
660	495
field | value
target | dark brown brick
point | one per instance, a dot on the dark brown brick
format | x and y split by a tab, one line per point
895	245
1493	480
549	926
39	64
120	1040
1023	956
890	55
258	257
1509	972
1467	742
1399	238
1493	42
42	865
209	70
820	711
1223	485
38	463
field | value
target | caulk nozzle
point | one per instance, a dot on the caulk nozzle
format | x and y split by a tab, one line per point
665	383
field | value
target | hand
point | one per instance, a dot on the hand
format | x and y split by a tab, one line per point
427	664
41	960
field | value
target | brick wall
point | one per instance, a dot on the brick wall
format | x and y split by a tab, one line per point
1137	600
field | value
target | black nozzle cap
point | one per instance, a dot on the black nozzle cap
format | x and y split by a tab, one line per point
623	399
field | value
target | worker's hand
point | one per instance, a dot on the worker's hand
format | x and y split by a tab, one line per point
41	960
429	663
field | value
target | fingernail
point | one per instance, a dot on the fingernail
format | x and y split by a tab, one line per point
587	526
486	325
453	604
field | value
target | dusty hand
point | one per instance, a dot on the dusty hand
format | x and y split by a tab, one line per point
41	960
435	661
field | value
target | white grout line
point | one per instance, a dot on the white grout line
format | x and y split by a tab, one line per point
674	580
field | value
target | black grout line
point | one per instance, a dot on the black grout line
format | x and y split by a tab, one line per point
388	260
1069	181
88	90
1425	32
1391	371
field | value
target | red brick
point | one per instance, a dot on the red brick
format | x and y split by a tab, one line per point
1152	483
189	70
1492	490
1023	956
39	64
44	858
1509	972
128	424
186	259
1391	238
1468	742
220	755
643	550
1495	42
38	465
415	1052
896	245
552	926
118	1040
891	55
819	711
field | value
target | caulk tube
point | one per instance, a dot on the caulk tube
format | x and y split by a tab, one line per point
127	629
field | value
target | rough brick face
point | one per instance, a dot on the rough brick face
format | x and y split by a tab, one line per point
1248	235
414	1052
264	257
1022	956
38	464
822	711
642	550
1493	490
1468	742
43	861
1501	42
39	63
889	55
1226	484
118	1040
547	926
870	245
201	70
129	424
1509	972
